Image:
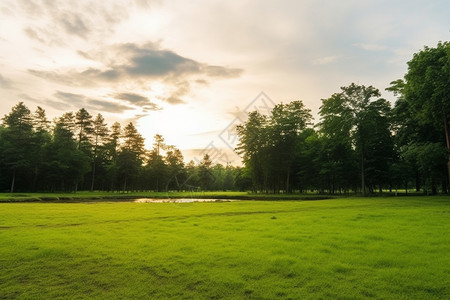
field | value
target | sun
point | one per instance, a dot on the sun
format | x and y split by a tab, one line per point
177	124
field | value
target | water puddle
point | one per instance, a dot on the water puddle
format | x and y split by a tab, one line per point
180	200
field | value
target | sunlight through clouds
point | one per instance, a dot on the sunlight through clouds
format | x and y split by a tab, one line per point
151	60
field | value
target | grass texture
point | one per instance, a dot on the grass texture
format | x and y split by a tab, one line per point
353	248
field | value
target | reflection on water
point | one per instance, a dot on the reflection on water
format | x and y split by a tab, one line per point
180	200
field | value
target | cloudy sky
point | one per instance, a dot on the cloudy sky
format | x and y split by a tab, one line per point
188	69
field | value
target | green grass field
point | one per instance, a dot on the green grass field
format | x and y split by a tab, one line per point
381	248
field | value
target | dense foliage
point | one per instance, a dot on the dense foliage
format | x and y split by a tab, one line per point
361	144
80	152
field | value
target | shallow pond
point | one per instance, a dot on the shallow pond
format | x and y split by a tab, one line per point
180	200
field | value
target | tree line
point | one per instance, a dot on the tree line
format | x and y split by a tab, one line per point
80	152
360	144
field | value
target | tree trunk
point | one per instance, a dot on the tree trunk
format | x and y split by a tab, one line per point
406	188
125	184
417	181
35	176
433	186
13	180
287	180
447	139
363	184
93	176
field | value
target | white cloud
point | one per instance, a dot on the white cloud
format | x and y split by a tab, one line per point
371	47
325	60
5	83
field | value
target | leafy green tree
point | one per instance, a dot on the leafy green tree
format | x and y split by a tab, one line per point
157	172
159	144
379	143
66	163
158	176
17	146
133	142
84	126
131	156
229	181
100	133
253	142
242	179
41	138
40	121
286	123
218	173
338	155
205	175
175	168
350	117
192	181
114	140
3	167
111	151
308	161
420	115
268	145
64	128
429	160
427	89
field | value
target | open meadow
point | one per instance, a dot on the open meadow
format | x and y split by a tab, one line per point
381	248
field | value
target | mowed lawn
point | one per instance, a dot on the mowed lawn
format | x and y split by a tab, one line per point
382	248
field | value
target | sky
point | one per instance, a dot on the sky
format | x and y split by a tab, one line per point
191	70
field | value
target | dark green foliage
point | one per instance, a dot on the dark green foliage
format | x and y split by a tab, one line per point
175	169
66	162
84	128
100	133
17	143
205	175
282	154
268	145
157	174
358	120
421	117
130	158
